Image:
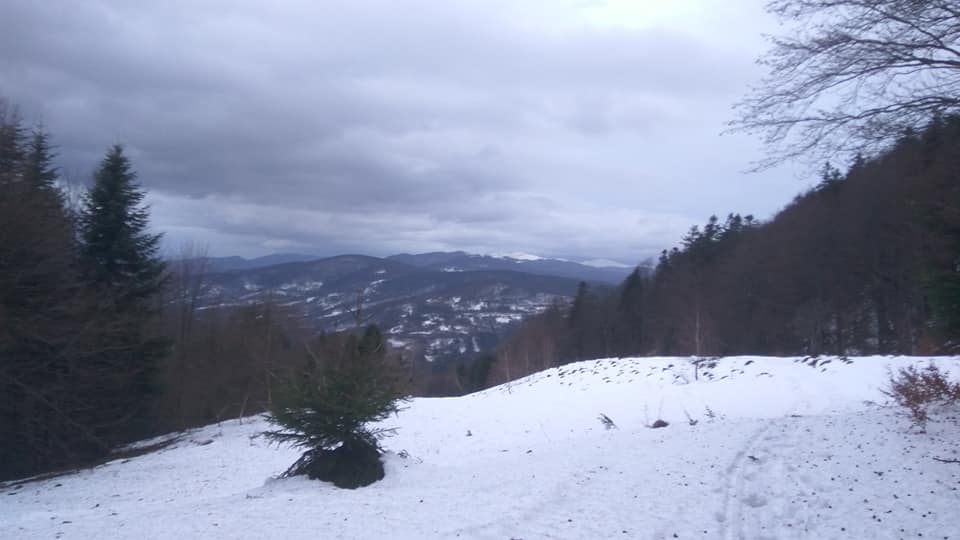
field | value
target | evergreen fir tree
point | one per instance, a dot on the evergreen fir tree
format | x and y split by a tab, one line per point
47	380
12	138
473	376
119	259
40	178
119	254
328	407
943	291
38	167
630	314
582	322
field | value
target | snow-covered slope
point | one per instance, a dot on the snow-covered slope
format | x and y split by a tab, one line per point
781	448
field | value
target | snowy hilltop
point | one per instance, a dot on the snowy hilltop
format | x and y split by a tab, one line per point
755	447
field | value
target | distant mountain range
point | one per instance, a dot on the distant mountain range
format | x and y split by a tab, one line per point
458	261
437	306
599	270
226	264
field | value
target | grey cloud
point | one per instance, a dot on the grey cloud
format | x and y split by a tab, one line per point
376	125
525	224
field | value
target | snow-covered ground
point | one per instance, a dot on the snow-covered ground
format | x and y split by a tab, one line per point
781	448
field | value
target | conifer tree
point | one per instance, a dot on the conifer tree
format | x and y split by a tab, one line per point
579	321
328	408
119	254
119	259
12	137
943	290
630	314
38	167
46	379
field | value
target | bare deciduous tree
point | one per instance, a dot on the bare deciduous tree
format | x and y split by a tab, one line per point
188	283
853	76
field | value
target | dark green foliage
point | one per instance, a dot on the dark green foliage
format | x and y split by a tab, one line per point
119	254
630	307
831	177
580	315
944	293
119	260
38	167
941	214
12	139
50	374
474	375
349	382
586	331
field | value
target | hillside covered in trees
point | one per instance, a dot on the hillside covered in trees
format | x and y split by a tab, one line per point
79	296
866	262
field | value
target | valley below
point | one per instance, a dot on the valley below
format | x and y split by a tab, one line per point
436	308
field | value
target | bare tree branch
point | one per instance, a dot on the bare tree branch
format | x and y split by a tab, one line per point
853	76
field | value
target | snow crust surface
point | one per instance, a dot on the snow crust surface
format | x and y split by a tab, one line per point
758	448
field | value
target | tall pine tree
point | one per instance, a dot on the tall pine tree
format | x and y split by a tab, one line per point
120	260
582	322
630	315
12	136
47	377
119	254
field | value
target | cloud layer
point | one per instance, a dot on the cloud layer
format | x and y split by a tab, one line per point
560	127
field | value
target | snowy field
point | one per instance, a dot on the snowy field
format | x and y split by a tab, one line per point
781	448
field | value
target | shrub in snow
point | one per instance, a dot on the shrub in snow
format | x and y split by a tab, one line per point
328	407
606	421
710	414
919	389
659	424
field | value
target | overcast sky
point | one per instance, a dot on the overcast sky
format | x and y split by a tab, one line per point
553	127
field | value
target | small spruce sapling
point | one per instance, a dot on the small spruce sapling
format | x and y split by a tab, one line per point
330	409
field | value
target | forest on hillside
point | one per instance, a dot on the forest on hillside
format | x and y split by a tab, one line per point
865	262
102	341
